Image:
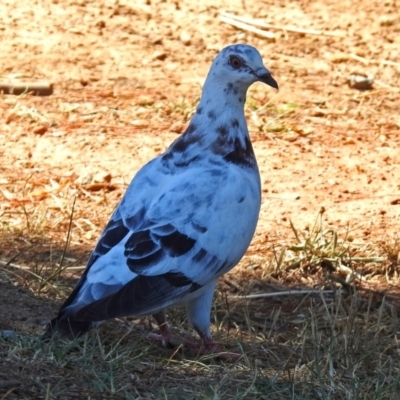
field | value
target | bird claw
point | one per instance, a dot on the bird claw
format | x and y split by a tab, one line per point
212	349
165	340
172	341
208	348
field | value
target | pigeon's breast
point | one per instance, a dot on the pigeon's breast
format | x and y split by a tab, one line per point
232	215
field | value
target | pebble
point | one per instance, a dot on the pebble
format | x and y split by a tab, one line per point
40	130
159	55
8	334
360	81
102	176
185	38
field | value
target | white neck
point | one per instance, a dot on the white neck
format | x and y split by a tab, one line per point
218	129
221	105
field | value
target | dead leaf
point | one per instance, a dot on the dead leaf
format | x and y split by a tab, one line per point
95	187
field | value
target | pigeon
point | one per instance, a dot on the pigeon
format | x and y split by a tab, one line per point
186	219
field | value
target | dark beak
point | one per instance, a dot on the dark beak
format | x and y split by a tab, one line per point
265	76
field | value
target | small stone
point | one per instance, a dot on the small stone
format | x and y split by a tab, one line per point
360	81
102	176
275	127
159	55
157	40
40	130
144	100
387	20
185	38
100	24
318	112
177	127
8	334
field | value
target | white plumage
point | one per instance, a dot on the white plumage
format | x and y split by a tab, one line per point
187	217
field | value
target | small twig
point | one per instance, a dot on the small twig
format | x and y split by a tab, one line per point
77	268
26	269
9	264
233	284
367	259
229	18
40	88
63	256
380	62
246	27
286	293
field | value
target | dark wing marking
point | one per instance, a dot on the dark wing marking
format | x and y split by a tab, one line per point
199	256
135	221
178	279
113	233
242	156
142	295
199	228
163	229
140	244
145	249
141	251
176	244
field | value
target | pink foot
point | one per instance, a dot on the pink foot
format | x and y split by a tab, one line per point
209	347
165	340
194	350
165	334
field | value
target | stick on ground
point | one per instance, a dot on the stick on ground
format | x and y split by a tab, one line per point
246	27
275	294
38	88
244	23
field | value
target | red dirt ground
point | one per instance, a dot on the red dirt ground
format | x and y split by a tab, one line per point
127	76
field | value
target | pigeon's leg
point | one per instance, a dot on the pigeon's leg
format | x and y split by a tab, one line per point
198	311
165	334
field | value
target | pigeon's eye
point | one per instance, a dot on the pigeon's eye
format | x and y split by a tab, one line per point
236	62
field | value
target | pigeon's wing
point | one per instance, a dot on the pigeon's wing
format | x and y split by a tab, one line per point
170	236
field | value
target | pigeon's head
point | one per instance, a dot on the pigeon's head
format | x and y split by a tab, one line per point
241	65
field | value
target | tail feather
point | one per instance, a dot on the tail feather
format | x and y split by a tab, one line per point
66	328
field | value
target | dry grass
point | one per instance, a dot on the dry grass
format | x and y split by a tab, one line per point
337	342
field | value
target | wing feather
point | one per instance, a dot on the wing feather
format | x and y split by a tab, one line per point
166	240
140	296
